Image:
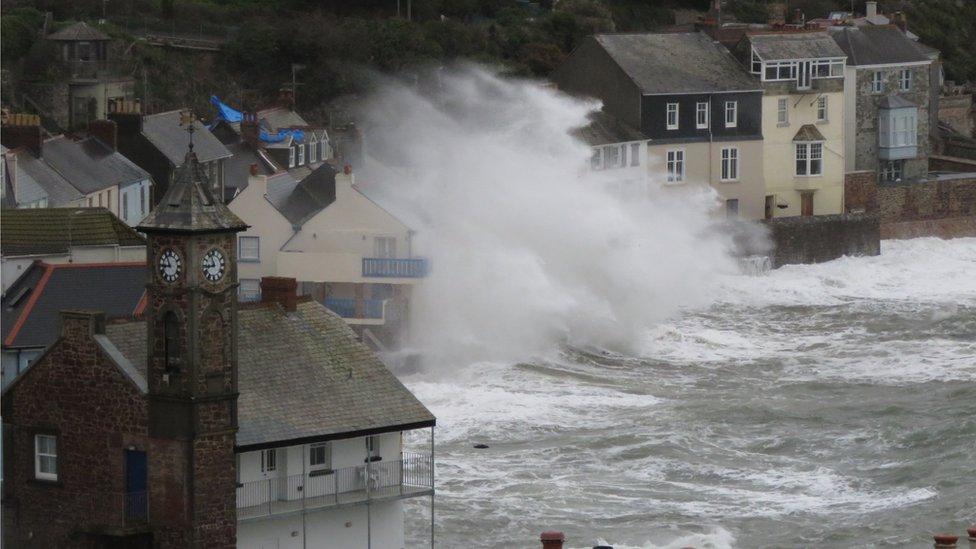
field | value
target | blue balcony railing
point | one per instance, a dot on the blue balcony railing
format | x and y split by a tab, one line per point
346	308
394	268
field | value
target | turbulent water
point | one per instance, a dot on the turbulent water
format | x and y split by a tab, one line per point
830	405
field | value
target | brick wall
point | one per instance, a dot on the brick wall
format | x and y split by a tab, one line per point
927	200
820	238
860	191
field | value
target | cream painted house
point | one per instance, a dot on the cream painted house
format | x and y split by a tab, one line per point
802	120
344	249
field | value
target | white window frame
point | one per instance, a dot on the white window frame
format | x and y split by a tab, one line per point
635	154
596	160
701	115
731	108
877	82
301	154
891	170
783	112
373	448
822	108
291	157
675	163
784	71
326	448
808	152
143	190
385	247
313	151
249	289
905	80
672	111
613	158
39	473
241	255
269	460
757	64
730	164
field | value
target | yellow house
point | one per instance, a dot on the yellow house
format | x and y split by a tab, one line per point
344	249
802	74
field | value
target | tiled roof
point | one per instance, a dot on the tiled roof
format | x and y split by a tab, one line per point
280	117
895	102
298	201
676	62
302	376
808	132
78	31
32	304
605	129
795	45
35	231
36	180
90	165
164	131
876	45
237	168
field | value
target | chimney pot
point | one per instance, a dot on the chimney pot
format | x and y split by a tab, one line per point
972	533
870	9
552	540
280	290
945	541
254	169
23	130
347	169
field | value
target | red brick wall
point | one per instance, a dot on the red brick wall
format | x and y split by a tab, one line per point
860	191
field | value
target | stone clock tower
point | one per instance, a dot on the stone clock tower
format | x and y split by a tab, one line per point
191	318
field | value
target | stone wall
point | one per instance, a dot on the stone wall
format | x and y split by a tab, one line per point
860	192
816	239
943	228
927	200
957	111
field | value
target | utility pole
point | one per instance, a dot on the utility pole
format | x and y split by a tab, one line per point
295	67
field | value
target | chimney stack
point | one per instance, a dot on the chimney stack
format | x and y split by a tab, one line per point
870	9
552	540
280	290
249	129
286	98
106	131
127	116
900	20
23	130
777	14
80	325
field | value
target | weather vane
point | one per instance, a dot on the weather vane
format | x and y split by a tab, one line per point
186	120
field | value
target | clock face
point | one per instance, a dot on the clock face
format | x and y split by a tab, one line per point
214	265
170	265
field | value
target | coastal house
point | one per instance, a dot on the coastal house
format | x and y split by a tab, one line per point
888	95
802	74
702	123
207	423
93	167
157	143
344	249
619	154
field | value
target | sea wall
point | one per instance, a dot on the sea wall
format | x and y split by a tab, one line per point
944	207
816	239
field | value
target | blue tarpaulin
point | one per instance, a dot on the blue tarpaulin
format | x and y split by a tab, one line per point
226	113
281	136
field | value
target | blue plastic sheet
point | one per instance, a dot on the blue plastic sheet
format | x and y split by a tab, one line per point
225	112
231	115
298	135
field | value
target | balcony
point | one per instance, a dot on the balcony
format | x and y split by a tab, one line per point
382	480
380	267
346	308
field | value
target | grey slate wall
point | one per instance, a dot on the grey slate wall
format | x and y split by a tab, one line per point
590	71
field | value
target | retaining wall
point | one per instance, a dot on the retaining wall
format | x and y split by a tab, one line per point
816	239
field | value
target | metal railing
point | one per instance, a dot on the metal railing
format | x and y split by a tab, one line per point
382	267
409	476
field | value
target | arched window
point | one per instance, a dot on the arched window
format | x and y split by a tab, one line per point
171	334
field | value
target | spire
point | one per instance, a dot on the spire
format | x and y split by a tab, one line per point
189	204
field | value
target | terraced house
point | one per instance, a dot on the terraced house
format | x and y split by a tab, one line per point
205	423
802	74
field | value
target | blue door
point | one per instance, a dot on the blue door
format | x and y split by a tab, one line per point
135	499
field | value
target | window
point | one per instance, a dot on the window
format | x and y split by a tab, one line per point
635	154
826	68
320	456
611	157
731	114
99	200
89	202
780	70
730	164
898	127
313	152
125	206
171	338
46	457
142	199
384	246
291	157
249	248
269	460
701	116
623	156
373	448
891	170
905	80
877	82
676	166
108	199
672	116
809	158
322	150
249	289
732	208
756	63
301	155
596	159
822	108
783	112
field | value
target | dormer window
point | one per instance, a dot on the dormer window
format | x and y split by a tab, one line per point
301	155
672	117
313	152
291	157
756	63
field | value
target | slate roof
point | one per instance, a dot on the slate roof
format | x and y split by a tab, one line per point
676	62
237	168
795	45
164	131
77	32
876	45
895	102
808	132
605	129
36	179
32	304
189	204
281	117
302	376
90	165
298	201
36	231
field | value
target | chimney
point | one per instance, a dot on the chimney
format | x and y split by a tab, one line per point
286	98
777	14
127	116
280	290
552	540
23	130
254	169
870	9
249	129
900	20
105	131
78	326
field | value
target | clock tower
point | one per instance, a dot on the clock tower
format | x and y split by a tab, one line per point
191	319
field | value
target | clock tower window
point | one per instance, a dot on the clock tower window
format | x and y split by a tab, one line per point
171	335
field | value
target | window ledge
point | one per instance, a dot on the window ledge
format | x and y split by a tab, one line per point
239	260
373	459
823	122
46	482
729	180
782	125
